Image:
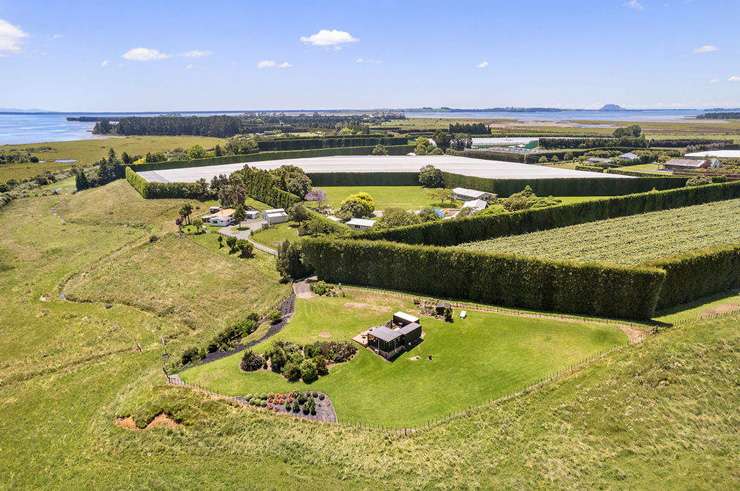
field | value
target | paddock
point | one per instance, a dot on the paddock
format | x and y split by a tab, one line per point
492	169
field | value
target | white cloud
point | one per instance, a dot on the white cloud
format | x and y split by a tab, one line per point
368	61
144	54
196	53
734	78
104	63
482	64
707	48
189	66
326	37
272	64
11	38
634	5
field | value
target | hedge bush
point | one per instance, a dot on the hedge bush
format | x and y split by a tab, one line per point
283	144
590	168
582	186
257	157
591	289
698	274
451	232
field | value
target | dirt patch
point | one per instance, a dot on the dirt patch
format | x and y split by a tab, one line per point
162	420
634	335
365	306
724	308
127	423
324	334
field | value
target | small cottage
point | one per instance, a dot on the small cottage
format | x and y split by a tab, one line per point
360	223
464	194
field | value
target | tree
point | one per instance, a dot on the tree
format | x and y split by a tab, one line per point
316	194
81	181
357	206
346	131
289	261
431	177
185	211
220	241
218	151
196	152
231	242
380	150
298	213
629	131
239	213
428	215
292	371
291	179
423	146
246	249
442	196
542	160
198	224
442	139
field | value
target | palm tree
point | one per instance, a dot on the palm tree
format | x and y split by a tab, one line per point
185	211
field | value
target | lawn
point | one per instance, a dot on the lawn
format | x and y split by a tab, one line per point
630	240
483	357
406	197
277	234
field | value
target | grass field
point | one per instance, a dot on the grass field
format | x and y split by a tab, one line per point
662	414
86	152
406	197
277	234
630	240
480	358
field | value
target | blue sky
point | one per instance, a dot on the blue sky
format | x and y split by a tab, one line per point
81	55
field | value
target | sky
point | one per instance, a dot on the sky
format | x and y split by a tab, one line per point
183	55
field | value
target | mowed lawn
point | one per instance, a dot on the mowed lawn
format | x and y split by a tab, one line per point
462	364
406	197
277	234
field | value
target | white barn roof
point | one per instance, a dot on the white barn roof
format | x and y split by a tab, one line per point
406	317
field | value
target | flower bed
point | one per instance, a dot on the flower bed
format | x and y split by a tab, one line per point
310	405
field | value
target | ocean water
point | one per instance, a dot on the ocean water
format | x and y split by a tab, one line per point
53	127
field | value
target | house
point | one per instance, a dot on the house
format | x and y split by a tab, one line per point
631	156
464	194
389	343
222	218
475	205
276	215
360	223
251	214
691	164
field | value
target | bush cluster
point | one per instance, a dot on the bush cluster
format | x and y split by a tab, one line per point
307	363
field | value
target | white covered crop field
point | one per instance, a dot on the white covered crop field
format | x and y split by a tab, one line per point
492	169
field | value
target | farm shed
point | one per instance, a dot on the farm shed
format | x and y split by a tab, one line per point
276	215
360	223
464	194
402	318
251	214
629	156
475	205
691	164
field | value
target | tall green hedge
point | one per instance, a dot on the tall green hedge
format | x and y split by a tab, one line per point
137	182
281	144
451	232
261	156
698	274
581	186
592	289
364	178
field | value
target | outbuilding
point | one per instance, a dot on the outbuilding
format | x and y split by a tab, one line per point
464	194
251	214
475	205
630	156
276	215
691	164
222	218
360	223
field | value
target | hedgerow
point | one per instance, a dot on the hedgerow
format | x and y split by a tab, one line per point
364	178
593	289
698	274
451	232
282	144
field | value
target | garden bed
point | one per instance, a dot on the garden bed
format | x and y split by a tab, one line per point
311	405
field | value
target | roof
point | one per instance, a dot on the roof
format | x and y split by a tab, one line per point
275	210
478	204
409	328
274	214
599	160
384	334
225	213
629	155
692	163
361	222
473	193
406	317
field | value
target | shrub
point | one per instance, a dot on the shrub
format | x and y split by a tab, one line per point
379	150
192	354
431	177
321	367
246	249
292	372
231	242
323	289
357	205
276	316
299	213
251	361
289	261
698	181
309	372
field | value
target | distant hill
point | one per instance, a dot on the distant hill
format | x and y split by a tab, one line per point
611	107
